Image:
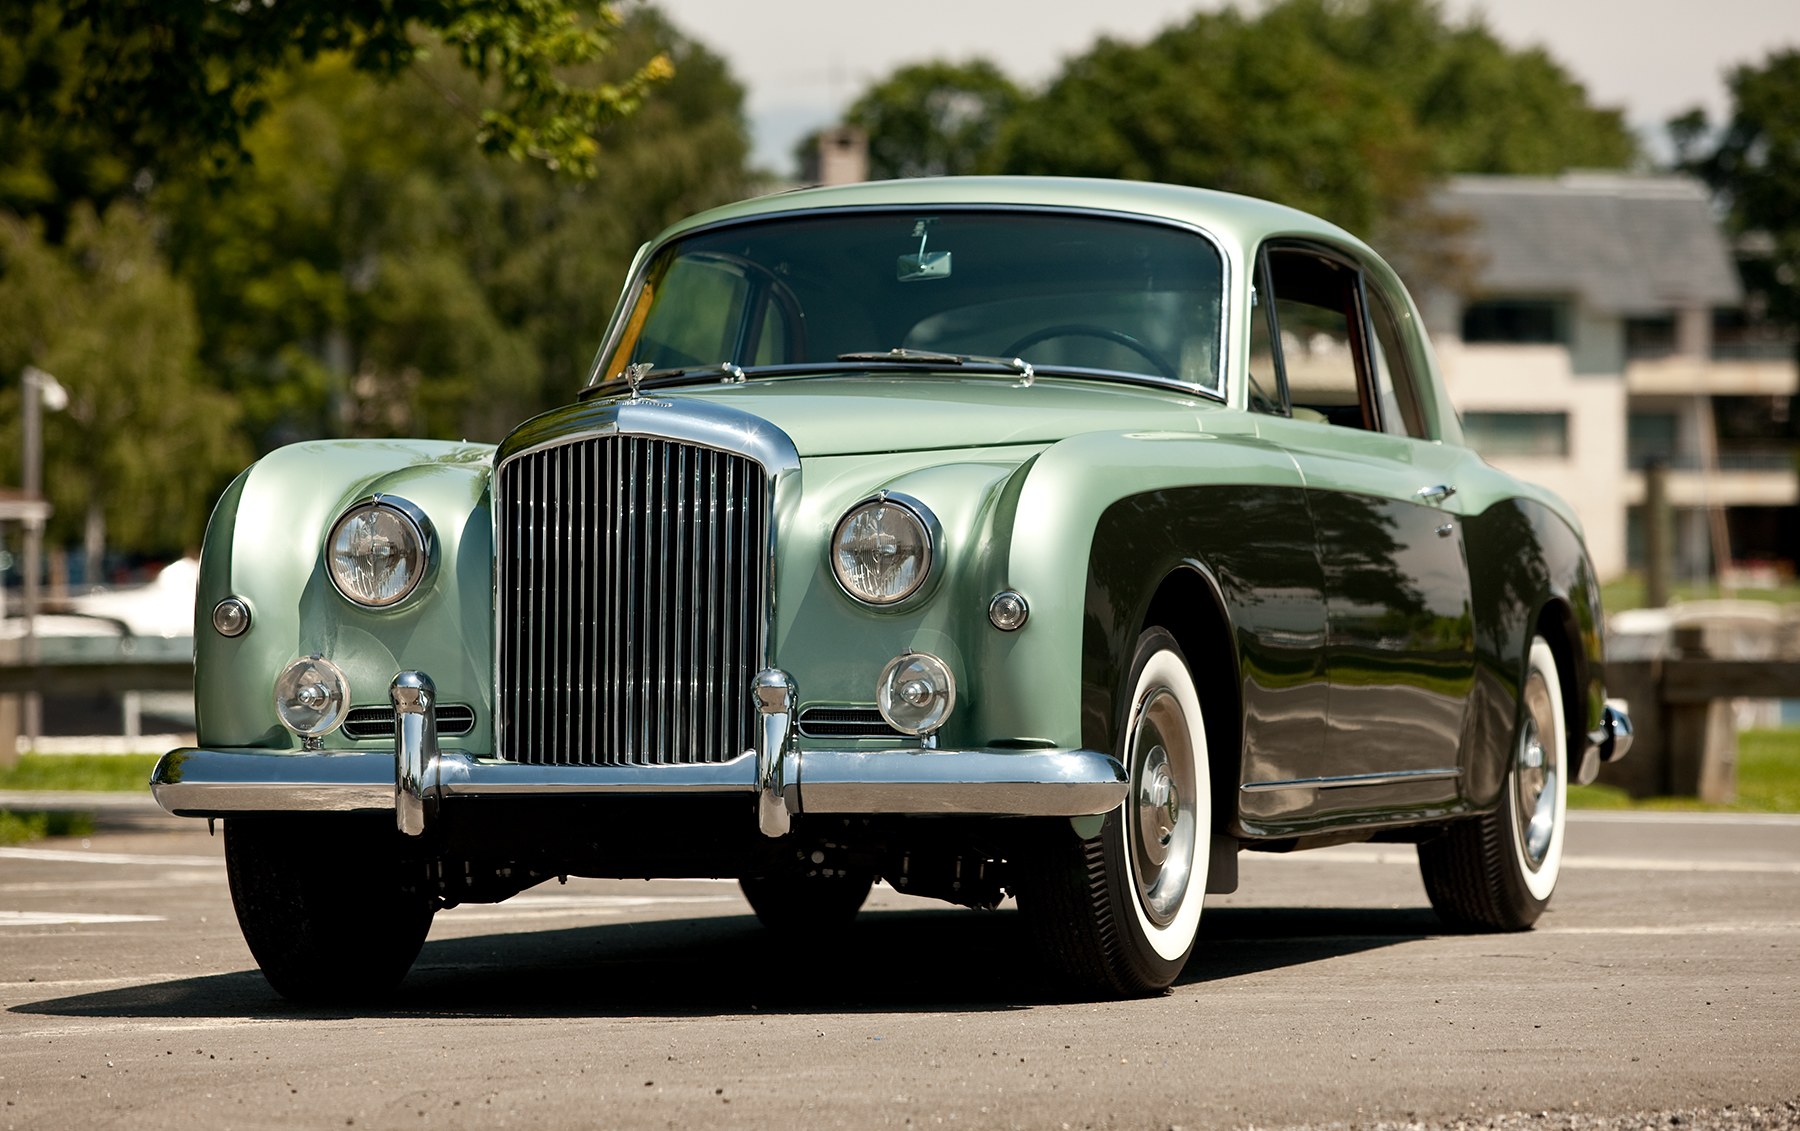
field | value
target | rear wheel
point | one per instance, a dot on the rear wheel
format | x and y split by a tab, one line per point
1117	914
330	907
1497	873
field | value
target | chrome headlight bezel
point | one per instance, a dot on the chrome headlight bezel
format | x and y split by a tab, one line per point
929	536
409	521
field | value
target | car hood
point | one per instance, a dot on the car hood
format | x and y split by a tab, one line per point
827	416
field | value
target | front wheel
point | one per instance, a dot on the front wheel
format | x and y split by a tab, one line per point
330	907
1117	914
1497	873
803	901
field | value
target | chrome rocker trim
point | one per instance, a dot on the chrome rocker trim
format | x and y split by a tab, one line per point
786	780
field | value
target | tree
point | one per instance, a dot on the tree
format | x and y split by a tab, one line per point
934	119
144	444
163	76
1347	109
369	274
1753	164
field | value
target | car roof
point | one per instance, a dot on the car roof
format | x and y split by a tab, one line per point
1243	220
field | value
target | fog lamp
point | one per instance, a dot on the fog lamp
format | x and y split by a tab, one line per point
916	693
310	696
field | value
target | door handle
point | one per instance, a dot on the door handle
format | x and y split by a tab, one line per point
1435	495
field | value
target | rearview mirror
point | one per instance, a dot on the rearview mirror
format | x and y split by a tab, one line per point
922	266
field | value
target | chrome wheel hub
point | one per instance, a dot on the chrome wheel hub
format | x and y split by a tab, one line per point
1161	824
1536	775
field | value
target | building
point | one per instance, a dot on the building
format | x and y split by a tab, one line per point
1601	328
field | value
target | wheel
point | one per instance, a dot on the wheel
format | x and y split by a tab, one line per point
807	901
331	910
1082	330
1117	914
1497	873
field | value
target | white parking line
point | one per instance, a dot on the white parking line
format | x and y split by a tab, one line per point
554	905
1388	854
1645	817
76	856
59	918
1680	929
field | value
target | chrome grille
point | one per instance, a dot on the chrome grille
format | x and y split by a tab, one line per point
632	588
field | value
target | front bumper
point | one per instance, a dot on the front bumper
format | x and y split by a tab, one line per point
784	779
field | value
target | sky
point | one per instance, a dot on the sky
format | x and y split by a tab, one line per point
802	61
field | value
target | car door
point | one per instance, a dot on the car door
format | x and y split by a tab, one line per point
1399	640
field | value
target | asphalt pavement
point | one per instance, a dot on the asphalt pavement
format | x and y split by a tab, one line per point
1663	986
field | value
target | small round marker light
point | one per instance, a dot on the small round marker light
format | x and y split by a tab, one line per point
1007	611
916	693
231	617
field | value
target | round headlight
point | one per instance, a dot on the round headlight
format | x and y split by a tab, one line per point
881	552
916	693
378	552
310	696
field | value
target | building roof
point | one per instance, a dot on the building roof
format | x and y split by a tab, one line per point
1623	244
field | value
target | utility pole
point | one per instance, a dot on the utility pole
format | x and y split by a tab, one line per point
41	391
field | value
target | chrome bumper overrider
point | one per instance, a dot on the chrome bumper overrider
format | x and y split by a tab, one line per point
1608	742
785	779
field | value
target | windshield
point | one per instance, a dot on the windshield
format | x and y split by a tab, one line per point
1065	292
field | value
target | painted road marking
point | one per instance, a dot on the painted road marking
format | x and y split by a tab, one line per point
76	856
1381	854
529	906
59	918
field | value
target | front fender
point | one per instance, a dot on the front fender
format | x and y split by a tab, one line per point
266	544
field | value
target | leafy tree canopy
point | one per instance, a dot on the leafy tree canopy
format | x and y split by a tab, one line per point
1346	108
367	274
104	316
104	89
934	119
1753	163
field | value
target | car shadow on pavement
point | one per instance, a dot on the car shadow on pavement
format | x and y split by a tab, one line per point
886	962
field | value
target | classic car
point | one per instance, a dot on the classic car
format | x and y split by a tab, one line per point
1043	538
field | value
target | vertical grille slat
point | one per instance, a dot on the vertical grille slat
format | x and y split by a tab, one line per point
633	582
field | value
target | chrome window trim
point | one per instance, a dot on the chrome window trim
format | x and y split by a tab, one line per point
1228	307
696	422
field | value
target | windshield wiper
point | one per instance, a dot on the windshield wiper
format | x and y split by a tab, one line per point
928	357
931	357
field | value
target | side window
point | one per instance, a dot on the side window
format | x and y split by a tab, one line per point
1318	312
1265	377
1396	385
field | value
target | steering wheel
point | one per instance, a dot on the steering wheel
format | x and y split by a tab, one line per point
1085	330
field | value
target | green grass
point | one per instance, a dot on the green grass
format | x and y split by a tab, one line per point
1627	592
18	828
102	772
1768	780
67	772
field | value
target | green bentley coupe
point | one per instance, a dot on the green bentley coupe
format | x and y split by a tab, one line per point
989	537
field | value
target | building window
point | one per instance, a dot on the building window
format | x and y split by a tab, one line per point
1518	433
1651	436
1517	321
